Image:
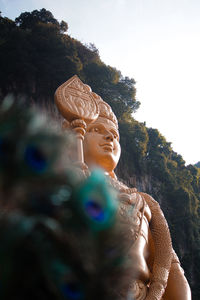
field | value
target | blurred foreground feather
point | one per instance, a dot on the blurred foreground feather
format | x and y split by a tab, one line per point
60	234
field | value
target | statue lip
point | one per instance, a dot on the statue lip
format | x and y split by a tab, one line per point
107	146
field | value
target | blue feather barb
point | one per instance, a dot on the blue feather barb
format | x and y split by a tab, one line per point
96	202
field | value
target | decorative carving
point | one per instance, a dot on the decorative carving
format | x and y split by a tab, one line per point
78	106
75	100
105	110
79	126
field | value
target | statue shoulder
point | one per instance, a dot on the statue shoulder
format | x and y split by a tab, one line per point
148	198
121	187
154	206
152	203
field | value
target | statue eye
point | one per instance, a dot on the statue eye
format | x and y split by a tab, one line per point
115	135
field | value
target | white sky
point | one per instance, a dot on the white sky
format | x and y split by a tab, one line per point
157	42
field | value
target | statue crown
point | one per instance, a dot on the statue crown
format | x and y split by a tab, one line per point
105	111
75	100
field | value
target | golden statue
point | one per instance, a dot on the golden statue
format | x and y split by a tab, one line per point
158	274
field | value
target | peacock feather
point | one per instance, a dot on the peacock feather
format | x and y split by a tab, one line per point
60	234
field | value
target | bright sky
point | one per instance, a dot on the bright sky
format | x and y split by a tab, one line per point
157	42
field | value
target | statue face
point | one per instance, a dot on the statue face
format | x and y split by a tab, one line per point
101	145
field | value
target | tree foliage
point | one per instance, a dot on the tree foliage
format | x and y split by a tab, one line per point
197	164
36	56
29	20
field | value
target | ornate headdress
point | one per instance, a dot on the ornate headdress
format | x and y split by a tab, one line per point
75	100
105	111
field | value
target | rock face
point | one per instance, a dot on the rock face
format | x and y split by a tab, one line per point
143	182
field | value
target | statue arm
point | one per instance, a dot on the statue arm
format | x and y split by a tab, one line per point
163	250
177	285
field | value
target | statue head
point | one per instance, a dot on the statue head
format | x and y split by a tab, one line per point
78	104
101	143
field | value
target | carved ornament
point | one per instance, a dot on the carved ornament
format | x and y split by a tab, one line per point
75	100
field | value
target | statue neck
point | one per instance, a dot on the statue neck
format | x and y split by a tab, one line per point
111	174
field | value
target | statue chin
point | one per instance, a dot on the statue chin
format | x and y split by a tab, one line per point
106	165
104	160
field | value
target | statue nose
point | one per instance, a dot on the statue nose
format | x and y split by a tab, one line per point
108	136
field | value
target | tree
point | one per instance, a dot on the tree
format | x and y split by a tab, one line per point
197	165
117	90
28	20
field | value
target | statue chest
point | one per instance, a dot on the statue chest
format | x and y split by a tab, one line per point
136	214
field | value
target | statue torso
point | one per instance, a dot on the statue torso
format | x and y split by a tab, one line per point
136	216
